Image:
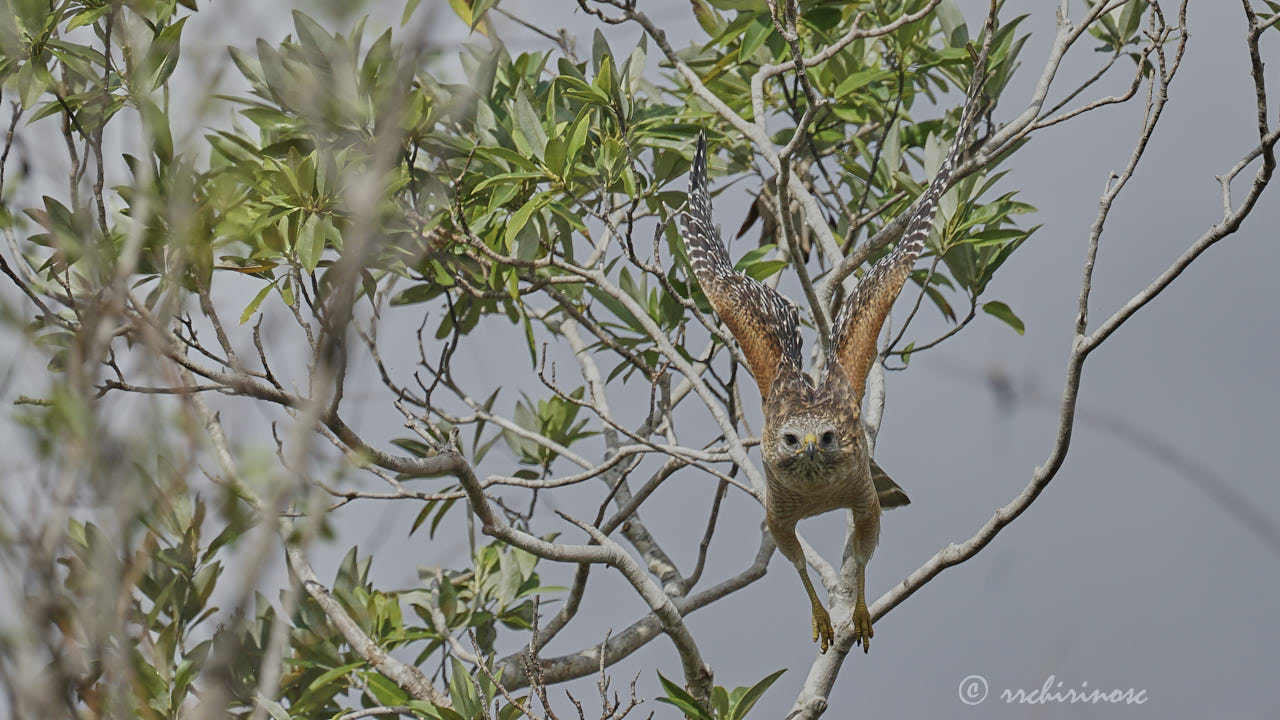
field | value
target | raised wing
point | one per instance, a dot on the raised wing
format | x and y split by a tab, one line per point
764	323
854	333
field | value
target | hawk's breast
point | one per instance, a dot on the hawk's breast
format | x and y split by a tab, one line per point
806	489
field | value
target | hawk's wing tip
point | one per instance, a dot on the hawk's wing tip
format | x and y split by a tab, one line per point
700	152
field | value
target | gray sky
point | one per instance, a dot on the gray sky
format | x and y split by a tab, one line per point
1135	569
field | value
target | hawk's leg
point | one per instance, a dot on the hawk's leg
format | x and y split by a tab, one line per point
784	535
866	533
862	632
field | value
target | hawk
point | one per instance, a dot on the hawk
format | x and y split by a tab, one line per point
813	445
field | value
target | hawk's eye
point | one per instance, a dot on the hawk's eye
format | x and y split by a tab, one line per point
828	438
790	439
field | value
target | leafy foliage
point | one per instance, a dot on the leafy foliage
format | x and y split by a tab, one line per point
725	704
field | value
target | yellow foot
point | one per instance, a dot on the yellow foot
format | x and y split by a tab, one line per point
862	632
822	630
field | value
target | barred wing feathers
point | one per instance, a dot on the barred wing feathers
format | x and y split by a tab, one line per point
765	324
858	323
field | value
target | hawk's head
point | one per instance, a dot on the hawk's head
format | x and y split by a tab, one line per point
811	441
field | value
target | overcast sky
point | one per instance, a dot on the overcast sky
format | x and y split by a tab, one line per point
1152	560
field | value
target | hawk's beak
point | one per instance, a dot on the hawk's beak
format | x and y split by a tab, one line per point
810	445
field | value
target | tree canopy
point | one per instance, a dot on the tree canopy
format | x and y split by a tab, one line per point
364	213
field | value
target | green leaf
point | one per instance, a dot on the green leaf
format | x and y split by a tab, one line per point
754	256
312	35
757	32
933	157
528	333
157	124
30	85
749	698
415	294
993	237
440	514
577	139
520	218
952	21
604	84
720	702
448	599
514	711
333	674
860	79
764	269
500	155
528	242
409	7
599	50
530	126
514	179
677	696
463	10
252	307
167	43
88	17
274	709
508	581
633	69
754	5
248	66
1002	311
616	307
75	530
555	156
462	691
478	9
384	690
445	713
940	301
310	244
348	574
891	154
433	711
1131	18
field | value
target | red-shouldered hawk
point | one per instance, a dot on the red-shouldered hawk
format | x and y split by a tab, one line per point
813	445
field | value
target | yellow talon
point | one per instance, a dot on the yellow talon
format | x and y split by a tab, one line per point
862	632
822	630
